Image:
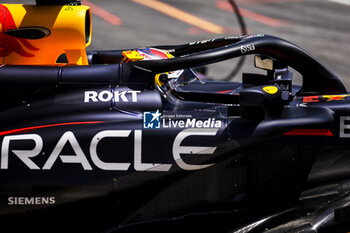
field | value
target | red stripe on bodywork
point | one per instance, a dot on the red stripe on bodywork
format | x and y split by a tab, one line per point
309	132
47	126
223	92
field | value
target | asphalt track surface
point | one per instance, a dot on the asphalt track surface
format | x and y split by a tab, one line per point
322	27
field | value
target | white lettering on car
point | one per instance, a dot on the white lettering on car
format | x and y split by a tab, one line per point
23	155
247	48
178	149
31	200
78	156
106	96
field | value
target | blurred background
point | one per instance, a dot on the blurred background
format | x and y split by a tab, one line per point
321	27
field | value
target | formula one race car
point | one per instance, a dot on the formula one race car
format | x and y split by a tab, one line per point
135	139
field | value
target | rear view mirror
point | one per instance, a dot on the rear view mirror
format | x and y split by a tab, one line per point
263	62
